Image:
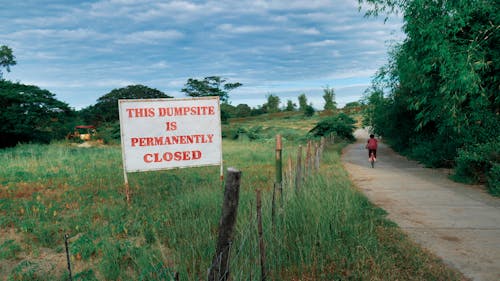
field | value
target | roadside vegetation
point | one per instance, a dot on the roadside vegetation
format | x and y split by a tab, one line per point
437	99
326	231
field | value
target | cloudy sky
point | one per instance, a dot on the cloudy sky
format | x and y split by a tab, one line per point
81	50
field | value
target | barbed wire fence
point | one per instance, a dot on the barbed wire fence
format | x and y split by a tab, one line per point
249	256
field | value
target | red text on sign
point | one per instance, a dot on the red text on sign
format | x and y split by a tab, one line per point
140	112
172	156
171	126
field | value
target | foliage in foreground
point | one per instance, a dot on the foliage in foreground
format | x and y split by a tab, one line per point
325	231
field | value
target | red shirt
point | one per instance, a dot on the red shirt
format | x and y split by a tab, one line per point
372	143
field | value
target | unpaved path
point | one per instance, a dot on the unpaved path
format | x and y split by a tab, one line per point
459	223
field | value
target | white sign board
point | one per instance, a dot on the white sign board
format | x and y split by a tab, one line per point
159	134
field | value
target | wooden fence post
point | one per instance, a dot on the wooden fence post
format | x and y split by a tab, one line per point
279	167
261	238
298	174
219	269
308	160
278	184
316	157
289	174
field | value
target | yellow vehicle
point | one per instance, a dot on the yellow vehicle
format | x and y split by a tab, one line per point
83	132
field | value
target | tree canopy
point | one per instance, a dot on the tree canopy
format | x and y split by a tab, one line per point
302	102
106	108
342	125
210	86
329	97
31	114
7	59
273	104
442	79
290	105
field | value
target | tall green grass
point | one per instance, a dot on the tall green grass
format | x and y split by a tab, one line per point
325	231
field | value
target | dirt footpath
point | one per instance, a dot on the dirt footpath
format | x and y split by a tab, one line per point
459	223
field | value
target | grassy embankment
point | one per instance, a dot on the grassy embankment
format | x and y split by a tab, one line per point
327	231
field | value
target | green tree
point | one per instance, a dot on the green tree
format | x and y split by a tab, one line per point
259	110
309	110
302	102
31	114
442	79
210	86
273	104
329	97
353	104
341	125
243	110
106	108
7	59
227	111
290	106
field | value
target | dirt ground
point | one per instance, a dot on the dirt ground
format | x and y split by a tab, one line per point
459	223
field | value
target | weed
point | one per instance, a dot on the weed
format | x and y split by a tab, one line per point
86	275
26	270
9	249
83	248
326	231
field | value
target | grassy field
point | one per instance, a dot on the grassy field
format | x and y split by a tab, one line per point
326	231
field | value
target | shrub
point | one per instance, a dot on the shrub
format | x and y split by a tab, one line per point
480	163
437	151
109	132
341	125
309	111
494	179
242	133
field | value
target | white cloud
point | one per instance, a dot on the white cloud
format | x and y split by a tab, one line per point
114	83
160	65
293	4
230	28
305	31
267	45
336	54
149	37
66	34
323	43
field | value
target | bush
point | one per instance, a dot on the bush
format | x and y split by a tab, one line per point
437	151
494	179
109	132
341	125
309	111
242	133
481	164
